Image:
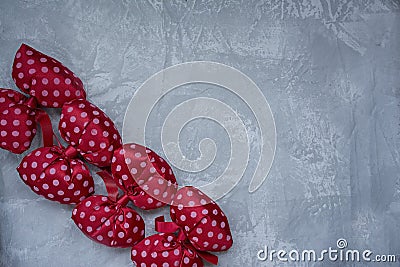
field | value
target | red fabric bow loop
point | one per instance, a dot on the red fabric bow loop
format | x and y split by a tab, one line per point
111	187
71	152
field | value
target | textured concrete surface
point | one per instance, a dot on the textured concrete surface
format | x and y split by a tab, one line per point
329	69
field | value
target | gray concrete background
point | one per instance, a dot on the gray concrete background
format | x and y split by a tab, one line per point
329	69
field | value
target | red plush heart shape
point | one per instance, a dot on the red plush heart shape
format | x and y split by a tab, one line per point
90	131
45	78
164	250
202	220
56	174
107	222
144	176
17	121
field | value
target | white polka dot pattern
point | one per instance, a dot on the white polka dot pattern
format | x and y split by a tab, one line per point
108	223
56	176
143	175
44	78
90	130
161	250
145	178
198	226
17	121
203	221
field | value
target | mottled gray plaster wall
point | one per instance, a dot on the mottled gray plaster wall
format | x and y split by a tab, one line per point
329	69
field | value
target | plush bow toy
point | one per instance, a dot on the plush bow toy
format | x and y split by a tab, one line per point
45	78
49	84
198	226
88	129
144	176
62	175
18	117
57	174
107	219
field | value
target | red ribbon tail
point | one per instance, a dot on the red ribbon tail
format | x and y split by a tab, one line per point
207	256
111	186
165	227
211	258
47	130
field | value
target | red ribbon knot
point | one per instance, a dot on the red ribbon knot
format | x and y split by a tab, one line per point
171	227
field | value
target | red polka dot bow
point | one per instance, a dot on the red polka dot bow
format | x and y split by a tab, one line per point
88	129
144	176
54	172
198	226
107	219
57	174
49	84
